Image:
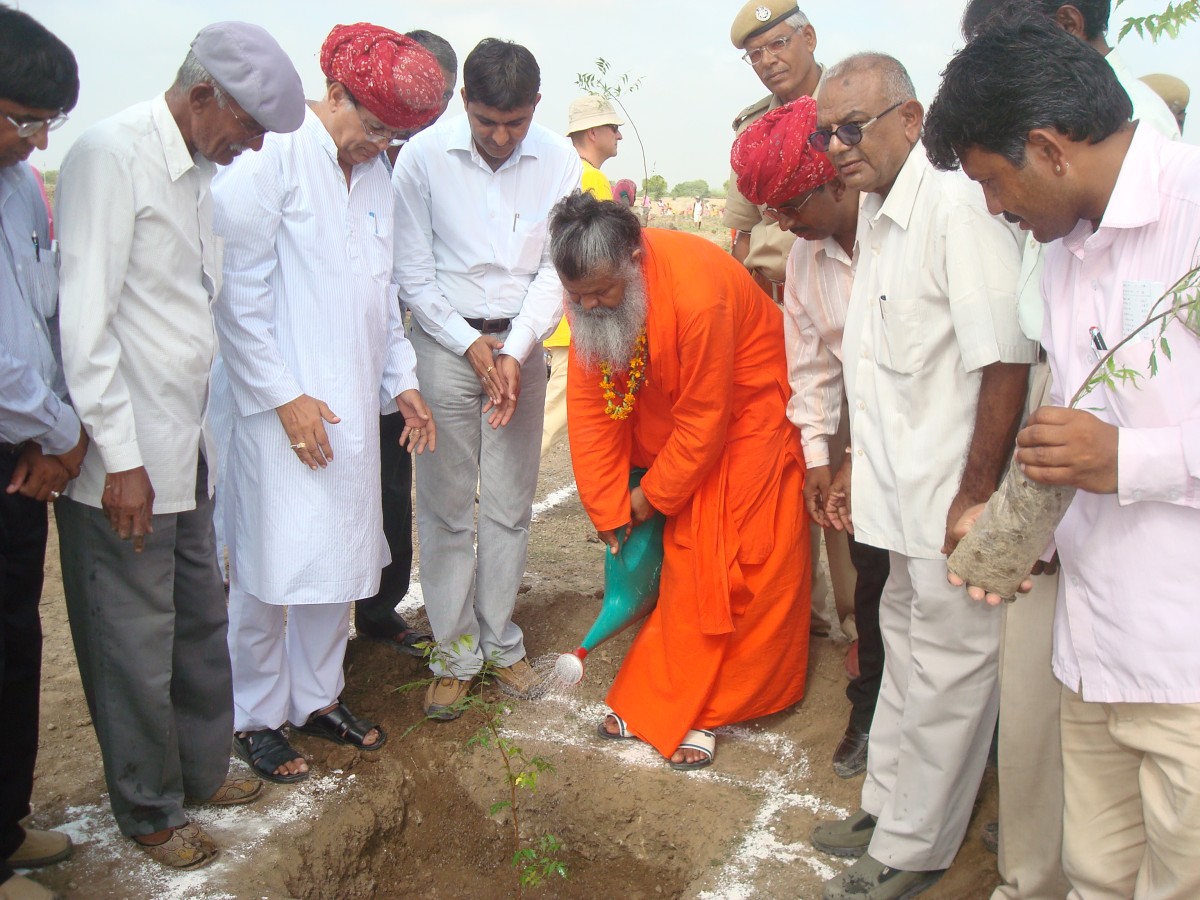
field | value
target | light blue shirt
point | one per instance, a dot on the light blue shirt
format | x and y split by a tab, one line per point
33	392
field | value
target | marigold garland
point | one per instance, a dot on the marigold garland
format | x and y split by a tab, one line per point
637	377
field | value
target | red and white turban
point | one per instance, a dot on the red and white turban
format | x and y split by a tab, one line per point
774	161
397	80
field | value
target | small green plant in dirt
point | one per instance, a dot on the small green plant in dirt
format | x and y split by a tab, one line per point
533	863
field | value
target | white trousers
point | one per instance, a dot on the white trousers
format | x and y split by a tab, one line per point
935	716
554	427
287	660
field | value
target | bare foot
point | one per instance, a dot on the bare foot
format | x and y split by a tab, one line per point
610	724
687	756
368	741
297	766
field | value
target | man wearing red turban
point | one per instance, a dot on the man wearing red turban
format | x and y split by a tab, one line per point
777	167
313	350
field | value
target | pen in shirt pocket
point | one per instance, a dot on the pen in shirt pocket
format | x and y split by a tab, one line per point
37	248
1099	348
374	221
882	305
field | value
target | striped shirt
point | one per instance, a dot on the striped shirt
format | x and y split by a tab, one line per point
815	299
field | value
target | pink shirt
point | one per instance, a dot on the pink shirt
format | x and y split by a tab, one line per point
1128	616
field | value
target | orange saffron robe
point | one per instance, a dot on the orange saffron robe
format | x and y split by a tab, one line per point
728	640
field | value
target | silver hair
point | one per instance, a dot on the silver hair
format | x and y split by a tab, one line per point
192	73
588	237
608	335
797	20
897	86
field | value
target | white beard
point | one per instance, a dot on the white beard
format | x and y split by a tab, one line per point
608	335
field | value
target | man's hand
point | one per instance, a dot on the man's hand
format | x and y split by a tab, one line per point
482	357
420	431
816	491
957	531
1069	447
72	460
837	504
37	476
304	421
128	501
509	371
640	509
959	507
610	539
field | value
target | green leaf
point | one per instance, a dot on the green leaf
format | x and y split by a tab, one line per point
1166	348
498	806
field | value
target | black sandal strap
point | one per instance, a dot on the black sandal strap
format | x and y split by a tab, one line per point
346	726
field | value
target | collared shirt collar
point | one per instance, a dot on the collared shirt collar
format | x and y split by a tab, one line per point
175	151
902	198
833	250
1135	200
461	141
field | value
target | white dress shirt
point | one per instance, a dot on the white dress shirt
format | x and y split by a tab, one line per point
472	243
1127	617
933	302
32	390
815	299
308	307
140	266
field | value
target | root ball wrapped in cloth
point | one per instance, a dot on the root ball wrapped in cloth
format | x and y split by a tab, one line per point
396	79
774	161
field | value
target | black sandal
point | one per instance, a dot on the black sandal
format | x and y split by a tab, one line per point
408	641
343	727
265	751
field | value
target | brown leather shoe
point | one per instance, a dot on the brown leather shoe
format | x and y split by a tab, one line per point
40	848
444	696
233	792
197	836
518	680
177	852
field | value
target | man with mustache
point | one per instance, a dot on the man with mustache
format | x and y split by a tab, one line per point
936	372
1117	207
308	263
41	441
778	42
472	197
778	168
677	367
140	269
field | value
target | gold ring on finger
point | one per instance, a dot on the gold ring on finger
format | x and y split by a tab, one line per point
299	446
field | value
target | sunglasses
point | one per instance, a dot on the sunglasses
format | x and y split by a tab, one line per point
849	134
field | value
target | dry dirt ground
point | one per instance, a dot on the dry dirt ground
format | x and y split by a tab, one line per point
414	817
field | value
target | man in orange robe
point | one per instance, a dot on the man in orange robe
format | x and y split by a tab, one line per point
728	640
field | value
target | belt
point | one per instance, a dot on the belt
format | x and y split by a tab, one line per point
489	326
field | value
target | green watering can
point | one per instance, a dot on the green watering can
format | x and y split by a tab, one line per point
631	579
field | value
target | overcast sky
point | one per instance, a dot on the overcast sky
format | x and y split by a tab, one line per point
693	80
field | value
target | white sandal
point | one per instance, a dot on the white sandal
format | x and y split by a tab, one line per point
622	733
701	740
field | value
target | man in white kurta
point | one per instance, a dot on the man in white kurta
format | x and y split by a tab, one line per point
314	350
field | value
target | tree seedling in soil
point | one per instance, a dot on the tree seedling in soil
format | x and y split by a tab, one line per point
535	862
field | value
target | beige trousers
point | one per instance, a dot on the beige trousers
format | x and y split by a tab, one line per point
1029	749
554	426
1132	787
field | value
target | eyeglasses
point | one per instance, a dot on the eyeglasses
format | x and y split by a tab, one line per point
849	134
251	133
777	213
774	48
33	126
390	138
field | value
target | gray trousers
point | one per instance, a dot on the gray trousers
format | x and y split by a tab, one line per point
469	575
150	636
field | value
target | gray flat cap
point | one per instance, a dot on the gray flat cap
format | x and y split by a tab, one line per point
253	69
